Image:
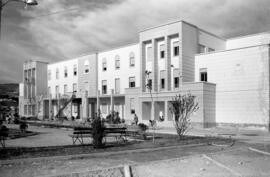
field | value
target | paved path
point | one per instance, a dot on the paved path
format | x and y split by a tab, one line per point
45	137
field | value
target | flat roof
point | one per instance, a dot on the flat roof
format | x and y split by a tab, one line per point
182	21
249	35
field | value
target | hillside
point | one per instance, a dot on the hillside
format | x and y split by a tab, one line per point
9	90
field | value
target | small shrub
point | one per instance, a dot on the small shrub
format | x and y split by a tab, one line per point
98	132
143	129
182	107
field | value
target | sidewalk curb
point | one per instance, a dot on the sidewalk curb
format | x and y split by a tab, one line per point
99	154
258	151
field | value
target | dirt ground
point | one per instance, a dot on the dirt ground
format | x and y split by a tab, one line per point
181	161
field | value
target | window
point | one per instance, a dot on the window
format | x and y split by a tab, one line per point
57	90
104	87
162	51
162	83
104	65
57	73
203	74
176	82
202	48
131	59
86	66
104	109
132	82
162	79
149	53
132	106
49	91
210	49
86	86
176	48
117	62
149	84
49	75
74	87
65	72
117	86
74	70
65	89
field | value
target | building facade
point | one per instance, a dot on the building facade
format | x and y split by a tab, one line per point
229	77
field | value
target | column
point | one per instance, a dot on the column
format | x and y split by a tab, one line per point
50	107
154	66
142	63
112	100
152	110
166	110
58	104
168	76
85	107
98	102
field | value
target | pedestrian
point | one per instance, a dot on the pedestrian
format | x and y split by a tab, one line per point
136	119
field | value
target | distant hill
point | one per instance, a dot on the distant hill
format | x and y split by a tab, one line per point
9	90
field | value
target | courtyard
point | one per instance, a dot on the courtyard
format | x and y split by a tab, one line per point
50	152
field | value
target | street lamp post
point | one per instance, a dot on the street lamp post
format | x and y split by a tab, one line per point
26	2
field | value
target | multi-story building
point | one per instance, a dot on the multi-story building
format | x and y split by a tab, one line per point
229	77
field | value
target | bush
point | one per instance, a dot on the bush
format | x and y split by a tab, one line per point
182	107
98	132
143	129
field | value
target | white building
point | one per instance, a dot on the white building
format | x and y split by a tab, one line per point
229	77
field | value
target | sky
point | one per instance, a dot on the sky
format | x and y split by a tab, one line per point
56	30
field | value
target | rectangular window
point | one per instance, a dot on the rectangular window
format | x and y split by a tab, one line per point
57	90
162	83
210	49
203	74
74	87
57	73
117	86
132	106
201	48
162	51
132	82
49	91
149	84
86	86
104	87
131	59
104	108
176	82
75	70
65	89
176	48
49	75
149	53
117	64
104	66
65	72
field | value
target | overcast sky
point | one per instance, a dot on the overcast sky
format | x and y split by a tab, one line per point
61	29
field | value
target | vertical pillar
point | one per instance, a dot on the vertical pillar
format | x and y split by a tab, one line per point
166	111
112	100
85	107
98	101
168	72
58	104
152	110
154	65
143	67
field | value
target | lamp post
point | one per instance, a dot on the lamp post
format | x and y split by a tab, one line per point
26	2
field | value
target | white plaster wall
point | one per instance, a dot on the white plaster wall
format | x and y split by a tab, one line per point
242	83
125	70
211	41
69	80
247	41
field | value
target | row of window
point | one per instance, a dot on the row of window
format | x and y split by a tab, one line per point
162	51
132	84
74	89
162	83
117	62
65	72
204	49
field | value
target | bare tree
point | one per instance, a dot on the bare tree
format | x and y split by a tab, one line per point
182	107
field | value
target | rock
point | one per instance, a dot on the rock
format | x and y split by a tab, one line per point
202	169
240	163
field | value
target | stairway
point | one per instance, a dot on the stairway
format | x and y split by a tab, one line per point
65	105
